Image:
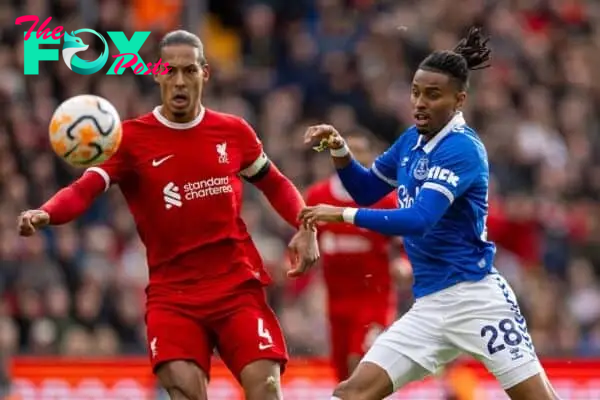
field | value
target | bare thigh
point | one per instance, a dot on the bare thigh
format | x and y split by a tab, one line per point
367	382
261	380
535	388
183	380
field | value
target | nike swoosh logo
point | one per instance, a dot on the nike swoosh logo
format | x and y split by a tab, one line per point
156	163
264	346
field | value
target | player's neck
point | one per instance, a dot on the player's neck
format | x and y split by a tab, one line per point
429	135
180	119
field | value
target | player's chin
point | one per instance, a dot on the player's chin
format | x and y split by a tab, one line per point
423	127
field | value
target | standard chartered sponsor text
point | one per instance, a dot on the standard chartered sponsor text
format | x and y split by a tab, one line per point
213	186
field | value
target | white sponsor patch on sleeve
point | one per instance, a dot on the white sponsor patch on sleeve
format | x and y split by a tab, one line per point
443	175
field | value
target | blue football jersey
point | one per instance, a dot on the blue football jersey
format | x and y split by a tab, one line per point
454	163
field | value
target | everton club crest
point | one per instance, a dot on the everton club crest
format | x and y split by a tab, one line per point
421	169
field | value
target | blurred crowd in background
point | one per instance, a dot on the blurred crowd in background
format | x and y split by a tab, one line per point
79	289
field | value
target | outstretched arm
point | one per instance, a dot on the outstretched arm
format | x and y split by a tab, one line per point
428	209
366	186
72	201
66	205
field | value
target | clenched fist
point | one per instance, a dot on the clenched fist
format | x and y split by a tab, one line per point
323	137
31	220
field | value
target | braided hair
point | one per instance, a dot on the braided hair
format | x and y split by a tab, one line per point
471	53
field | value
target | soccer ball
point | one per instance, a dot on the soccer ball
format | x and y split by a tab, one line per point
85	130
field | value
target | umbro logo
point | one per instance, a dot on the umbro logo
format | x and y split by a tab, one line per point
156	163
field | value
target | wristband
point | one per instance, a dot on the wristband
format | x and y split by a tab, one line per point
341	152
349	214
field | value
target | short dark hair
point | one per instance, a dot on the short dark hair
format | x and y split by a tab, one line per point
183	37
471	53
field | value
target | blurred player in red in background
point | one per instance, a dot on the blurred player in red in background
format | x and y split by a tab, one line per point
179	169
357	268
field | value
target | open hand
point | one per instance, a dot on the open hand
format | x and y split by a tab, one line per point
323	137
30	221
304	251
321	213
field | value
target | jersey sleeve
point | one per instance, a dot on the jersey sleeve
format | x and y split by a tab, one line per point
386	165
455	166
254	159
390	201
310	196
114	169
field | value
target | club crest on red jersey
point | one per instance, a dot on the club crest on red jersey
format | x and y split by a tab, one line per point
222	152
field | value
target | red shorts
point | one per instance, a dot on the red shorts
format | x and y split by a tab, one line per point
352	332
242	327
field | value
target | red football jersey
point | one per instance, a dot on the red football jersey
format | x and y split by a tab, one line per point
355	261
182	184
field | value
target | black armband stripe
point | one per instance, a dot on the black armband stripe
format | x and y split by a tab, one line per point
260	174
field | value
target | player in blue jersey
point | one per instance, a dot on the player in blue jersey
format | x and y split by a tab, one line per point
439	168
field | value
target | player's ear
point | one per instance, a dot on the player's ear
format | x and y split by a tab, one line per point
460	99
205	72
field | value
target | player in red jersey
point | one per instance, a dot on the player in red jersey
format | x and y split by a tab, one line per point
179	169
357	269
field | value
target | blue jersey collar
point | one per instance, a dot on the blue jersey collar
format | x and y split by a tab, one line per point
456	121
